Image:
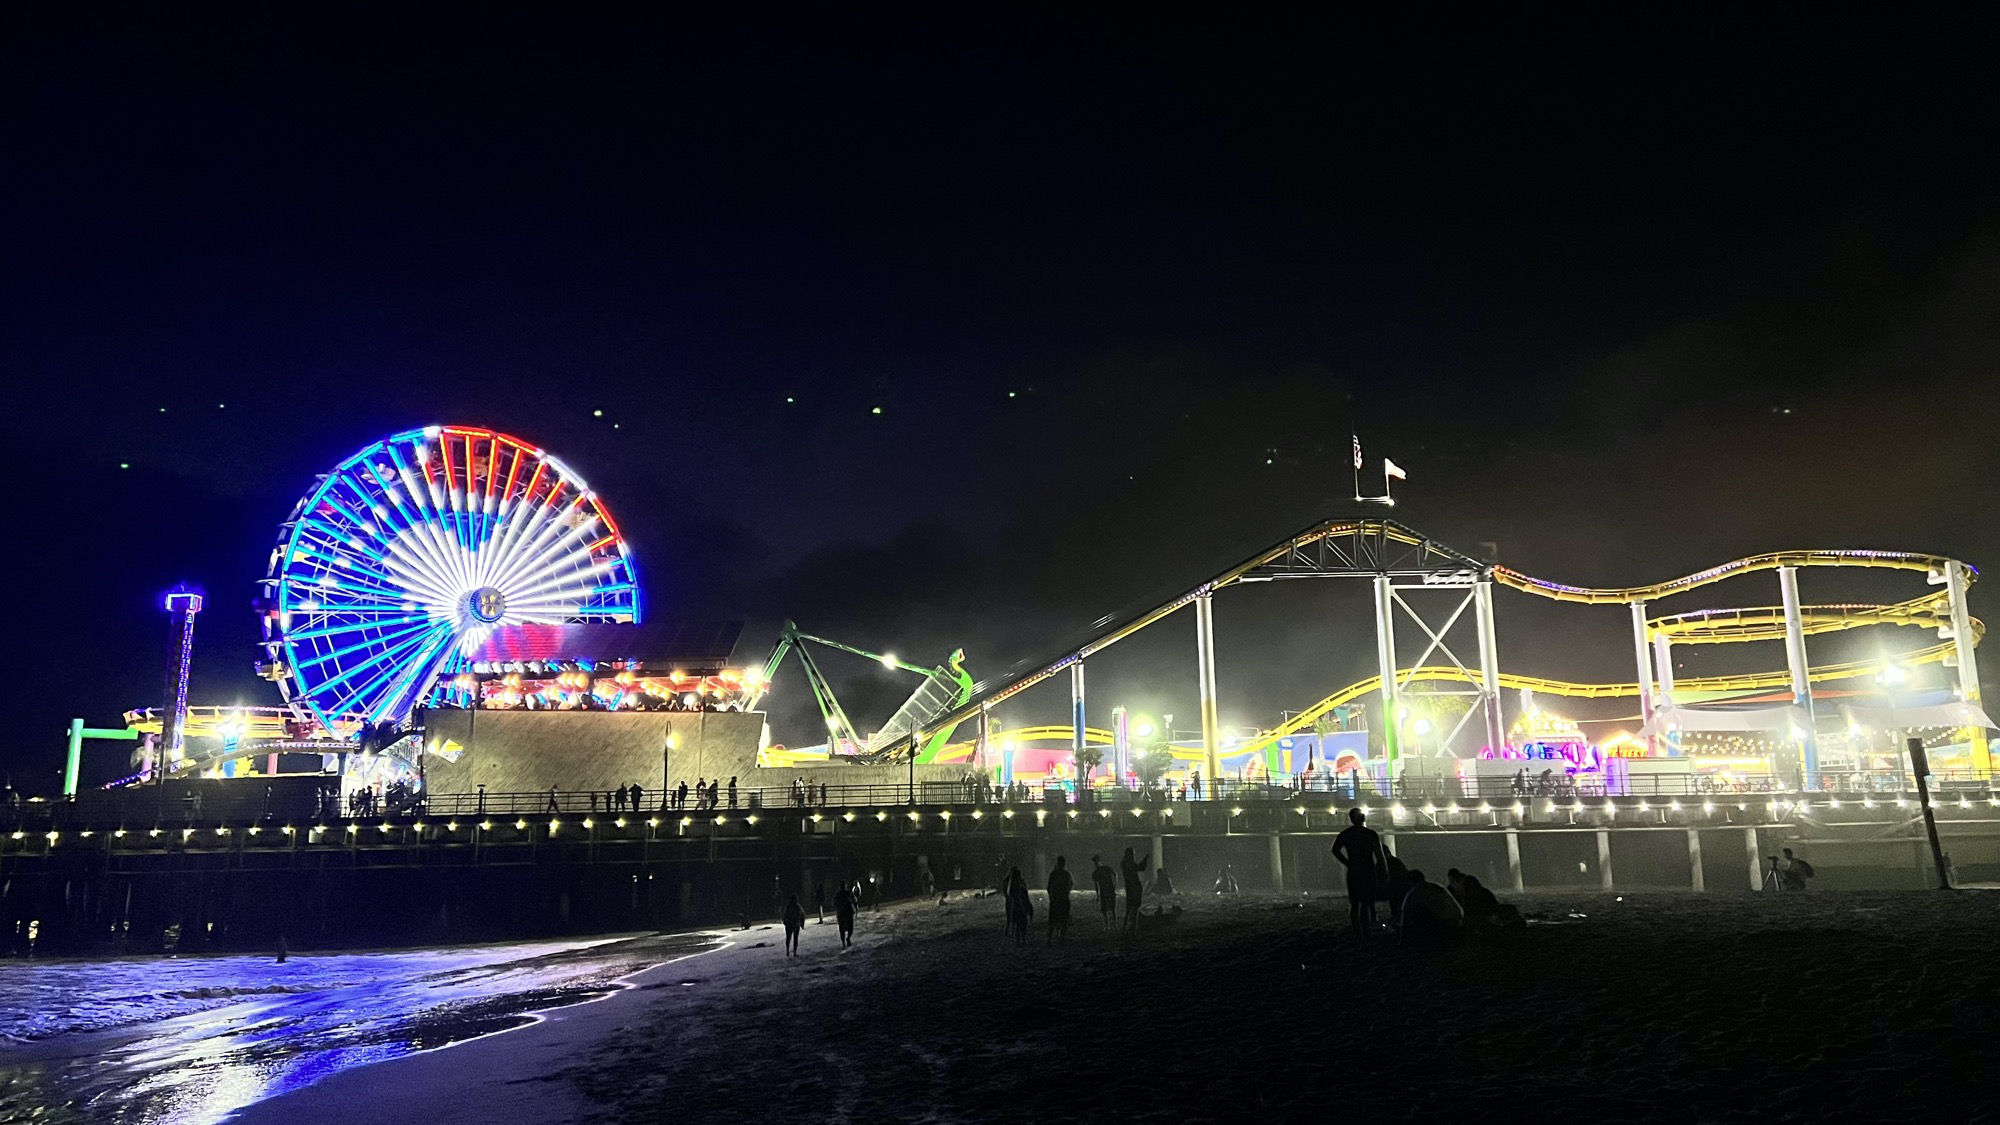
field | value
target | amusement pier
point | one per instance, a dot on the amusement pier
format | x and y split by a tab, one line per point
477	727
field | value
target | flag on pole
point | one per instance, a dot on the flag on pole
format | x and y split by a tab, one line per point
1392	470
1357	451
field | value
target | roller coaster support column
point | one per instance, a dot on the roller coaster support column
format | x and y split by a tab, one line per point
1968	663
1385	660
1211	734
1644	656
1663	668
1489	665
1076	708
1795	660
984	748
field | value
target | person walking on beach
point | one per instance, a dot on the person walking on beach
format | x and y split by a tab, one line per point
1106	882
1359	849
1134	889
819	899
795	920
843	912
1060	884
1020	909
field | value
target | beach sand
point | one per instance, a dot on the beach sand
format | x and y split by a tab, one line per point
1640	1007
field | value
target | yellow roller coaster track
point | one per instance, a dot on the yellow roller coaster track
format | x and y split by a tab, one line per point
1704	627
1712	626
1750	681
1767	623
1600	595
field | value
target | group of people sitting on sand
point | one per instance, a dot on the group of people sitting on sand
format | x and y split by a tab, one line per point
1419	909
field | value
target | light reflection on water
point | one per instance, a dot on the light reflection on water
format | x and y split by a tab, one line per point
200	1067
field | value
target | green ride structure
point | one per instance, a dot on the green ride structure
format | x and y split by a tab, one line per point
945	688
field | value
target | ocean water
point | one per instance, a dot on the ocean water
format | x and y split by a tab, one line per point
193	1039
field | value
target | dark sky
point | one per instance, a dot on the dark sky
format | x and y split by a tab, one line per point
1625	300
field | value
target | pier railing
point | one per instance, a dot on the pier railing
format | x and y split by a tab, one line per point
254	804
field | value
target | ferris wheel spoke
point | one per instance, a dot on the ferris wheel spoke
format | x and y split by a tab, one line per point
403	687
515	525
336	599
420	549
570	579
522	572
390	657
453	496
558	561
329	630
379	523
343	570
347	544
547	544
390	637
427	525
358	522
527	532
358	578
576	601
418	577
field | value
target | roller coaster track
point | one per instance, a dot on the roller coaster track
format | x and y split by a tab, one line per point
1446	673
1367	547
1602	595
1767	623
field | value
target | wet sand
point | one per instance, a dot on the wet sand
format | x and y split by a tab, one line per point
86	1041
1661	1007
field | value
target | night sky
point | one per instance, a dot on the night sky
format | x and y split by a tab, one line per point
1624	300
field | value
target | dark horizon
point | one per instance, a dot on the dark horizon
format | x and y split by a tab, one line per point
1625	300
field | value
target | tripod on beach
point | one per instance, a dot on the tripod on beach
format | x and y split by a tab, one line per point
1773	881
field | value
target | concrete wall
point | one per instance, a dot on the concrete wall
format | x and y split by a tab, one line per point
529	751
526	751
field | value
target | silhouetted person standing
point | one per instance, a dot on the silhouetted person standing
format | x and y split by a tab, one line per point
1060	884
732	792
1020	909
843	912
1359	849
1134	889
795	920
1106	882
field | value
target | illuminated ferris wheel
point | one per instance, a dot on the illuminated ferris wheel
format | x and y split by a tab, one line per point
405	558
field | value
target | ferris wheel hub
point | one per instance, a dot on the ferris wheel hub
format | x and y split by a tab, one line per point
486	605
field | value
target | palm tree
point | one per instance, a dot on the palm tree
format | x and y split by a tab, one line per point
1087	760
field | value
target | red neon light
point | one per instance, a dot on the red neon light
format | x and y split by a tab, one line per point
514	470
540	468
604	514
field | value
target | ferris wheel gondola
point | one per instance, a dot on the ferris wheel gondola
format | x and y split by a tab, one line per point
405	558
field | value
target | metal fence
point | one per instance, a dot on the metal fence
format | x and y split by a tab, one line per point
255	804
